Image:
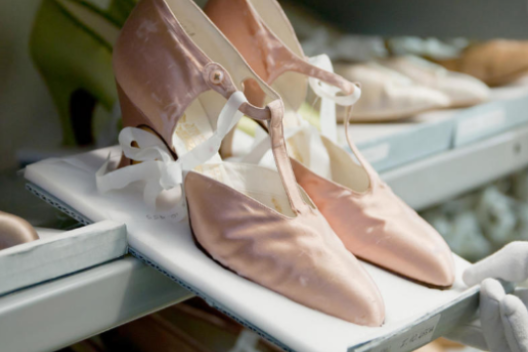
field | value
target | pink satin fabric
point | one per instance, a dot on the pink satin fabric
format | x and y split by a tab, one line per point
379	227
15	230
300	258
264	52
160	70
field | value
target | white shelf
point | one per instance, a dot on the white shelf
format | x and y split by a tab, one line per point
61	312
433	180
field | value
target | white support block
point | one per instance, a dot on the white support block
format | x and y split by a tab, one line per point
61	254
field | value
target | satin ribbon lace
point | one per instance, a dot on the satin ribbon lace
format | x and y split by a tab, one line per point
157	168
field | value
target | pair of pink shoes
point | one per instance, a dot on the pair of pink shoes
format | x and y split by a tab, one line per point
184	83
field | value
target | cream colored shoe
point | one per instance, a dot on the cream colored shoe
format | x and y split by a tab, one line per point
462	90
388	95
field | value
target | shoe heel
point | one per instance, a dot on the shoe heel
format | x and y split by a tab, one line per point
76	65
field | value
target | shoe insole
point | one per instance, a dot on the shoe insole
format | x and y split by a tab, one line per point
262	184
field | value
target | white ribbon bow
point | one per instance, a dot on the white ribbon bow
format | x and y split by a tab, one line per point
157	167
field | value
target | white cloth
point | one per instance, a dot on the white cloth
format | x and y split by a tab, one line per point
503	318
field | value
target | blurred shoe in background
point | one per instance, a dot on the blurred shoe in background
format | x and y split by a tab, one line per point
496	62
71	46
388	95
463	90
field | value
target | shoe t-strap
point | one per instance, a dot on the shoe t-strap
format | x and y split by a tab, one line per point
278	146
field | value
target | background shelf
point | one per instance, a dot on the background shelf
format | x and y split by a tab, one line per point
473	19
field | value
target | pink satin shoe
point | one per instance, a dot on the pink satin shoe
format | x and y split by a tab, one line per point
373	223
15	230
180	84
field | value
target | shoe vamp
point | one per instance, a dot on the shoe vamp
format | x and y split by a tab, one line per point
377	226
299	257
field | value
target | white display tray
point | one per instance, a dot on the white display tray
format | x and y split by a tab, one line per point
57	254
415	314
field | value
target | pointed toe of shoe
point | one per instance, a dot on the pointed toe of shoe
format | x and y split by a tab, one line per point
298	257
412	248
375	316
372	312
433	265
355	299
366	313
378	227
443	274
339	286
358	299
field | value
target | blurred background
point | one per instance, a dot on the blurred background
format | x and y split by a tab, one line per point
57	97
